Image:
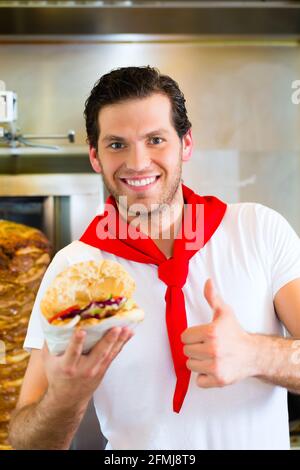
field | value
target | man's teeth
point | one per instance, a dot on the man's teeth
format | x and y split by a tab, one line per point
142	182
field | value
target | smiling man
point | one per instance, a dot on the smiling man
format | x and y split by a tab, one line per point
209	367
141	161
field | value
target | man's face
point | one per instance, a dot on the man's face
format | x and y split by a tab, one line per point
139	151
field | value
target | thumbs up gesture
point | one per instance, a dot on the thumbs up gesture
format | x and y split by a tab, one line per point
221	352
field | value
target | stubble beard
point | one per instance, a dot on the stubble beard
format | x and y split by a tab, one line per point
165	200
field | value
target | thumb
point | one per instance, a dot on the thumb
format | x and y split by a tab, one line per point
212	297
218	312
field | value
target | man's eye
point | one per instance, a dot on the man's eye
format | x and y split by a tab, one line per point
156	140
116	145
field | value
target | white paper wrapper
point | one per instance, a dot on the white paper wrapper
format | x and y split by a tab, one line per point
58	337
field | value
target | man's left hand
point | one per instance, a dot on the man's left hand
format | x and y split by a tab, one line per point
221	352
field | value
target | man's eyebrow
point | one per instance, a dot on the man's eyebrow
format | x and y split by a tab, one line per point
117	138
156	131
112	138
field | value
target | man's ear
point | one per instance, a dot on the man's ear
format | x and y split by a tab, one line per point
187	146
94	159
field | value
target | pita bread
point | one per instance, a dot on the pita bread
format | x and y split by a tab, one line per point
86	282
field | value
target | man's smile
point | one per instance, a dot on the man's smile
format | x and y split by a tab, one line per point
140	183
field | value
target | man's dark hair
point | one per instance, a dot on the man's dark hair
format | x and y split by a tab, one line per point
129	83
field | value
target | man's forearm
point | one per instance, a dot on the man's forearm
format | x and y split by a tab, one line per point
277	360
45	425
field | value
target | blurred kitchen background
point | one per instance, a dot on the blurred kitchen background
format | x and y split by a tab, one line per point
235	62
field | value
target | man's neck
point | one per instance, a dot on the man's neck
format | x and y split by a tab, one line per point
162	226
168	233
166	245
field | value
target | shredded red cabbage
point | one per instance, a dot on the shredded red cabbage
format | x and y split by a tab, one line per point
100	304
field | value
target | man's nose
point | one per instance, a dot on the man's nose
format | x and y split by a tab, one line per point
138	159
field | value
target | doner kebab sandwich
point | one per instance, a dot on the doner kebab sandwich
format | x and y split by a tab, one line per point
92	295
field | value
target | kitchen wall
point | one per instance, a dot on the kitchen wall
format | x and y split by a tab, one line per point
246	128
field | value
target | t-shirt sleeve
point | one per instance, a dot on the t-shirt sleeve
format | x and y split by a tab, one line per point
282	248
35	337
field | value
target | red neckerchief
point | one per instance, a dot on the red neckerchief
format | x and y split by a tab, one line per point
173	271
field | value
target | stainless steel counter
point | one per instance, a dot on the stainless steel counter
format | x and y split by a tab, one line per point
36	171
71	191
31	160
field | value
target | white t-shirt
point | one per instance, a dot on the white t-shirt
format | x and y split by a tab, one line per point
252	254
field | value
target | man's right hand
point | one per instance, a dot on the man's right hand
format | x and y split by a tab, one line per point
56	391
73	376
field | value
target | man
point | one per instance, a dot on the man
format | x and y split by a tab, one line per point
227	365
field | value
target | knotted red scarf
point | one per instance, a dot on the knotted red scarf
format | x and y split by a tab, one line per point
173	271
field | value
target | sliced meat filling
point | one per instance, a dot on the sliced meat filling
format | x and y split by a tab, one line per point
99	310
